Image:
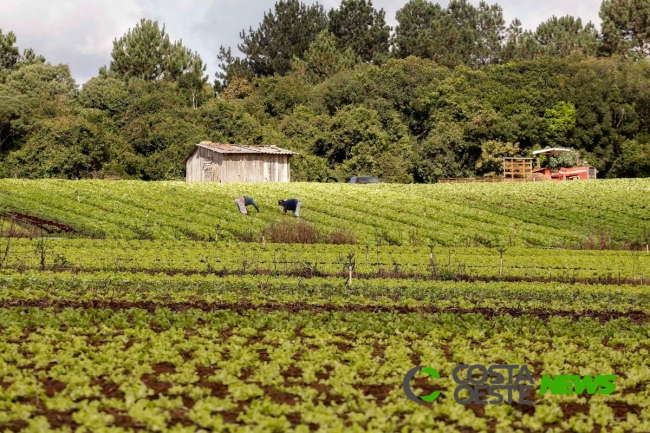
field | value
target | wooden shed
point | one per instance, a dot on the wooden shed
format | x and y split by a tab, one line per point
216	162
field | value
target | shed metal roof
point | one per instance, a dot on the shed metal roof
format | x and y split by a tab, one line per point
240	148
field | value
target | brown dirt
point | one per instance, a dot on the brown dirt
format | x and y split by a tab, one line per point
52	387
179	416
47	226
309	272
621	409
634	315
570	409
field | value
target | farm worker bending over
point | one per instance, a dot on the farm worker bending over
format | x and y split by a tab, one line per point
291	204
244	201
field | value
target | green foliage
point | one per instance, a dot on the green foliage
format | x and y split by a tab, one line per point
321	84
560	121
109	95
276	96
30	95
323	59
459	34
559	37
309	168
634	160
229	123
146	53
414	34
626	27
283	34
10	57
357	25
519	44
68	147
355	138
492	152
566	159
9	53
436	155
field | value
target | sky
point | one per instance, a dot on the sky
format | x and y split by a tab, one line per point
81	32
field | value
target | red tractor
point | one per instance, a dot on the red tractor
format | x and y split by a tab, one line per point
579	172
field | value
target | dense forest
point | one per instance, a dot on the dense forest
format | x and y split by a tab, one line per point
446	93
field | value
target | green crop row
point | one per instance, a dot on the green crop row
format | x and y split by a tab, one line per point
519	214
212	292
99	370
320	259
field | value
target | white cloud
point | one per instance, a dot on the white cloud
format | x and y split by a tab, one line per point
81	32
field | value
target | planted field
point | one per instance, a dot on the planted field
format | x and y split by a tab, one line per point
571	214
231	258
131	351
167	321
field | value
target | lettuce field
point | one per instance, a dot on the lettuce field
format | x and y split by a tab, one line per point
131	306
568	214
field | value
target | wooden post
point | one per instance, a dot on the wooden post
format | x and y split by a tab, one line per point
350	267
501	251
432	261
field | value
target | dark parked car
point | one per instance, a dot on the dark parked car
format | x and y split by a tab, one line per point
364	179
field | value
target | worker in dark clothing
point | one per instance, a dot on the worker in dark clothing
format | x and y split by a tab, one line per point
244	201
291	204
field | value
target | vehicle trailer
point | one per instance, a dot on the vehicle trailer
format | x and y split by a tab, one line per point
578	172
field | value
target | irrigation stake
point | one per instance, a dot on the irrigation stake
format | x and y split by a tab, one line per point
432	261
501	251
350	267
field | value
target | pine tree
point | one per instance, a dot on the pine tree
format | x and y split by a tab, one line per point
519	44
323	59
10	57
626	27
283	34
146	52
460	34
559	37
490	34
9	53
415	34
231	68
359	26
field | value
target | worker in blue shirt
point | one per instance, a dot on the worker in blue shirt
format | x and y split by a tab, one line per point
244	201
291	204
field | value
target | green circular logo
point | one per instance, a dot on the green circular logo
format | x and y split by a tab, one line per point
407	384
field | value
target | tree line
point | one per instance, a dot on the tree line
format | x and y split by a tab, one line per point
447	93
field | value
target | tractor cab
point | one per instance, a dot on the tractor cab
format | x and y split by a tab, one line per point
578	172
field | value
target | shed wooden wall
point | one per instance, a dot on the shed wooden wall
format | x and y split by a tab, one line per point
209	166
200	166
